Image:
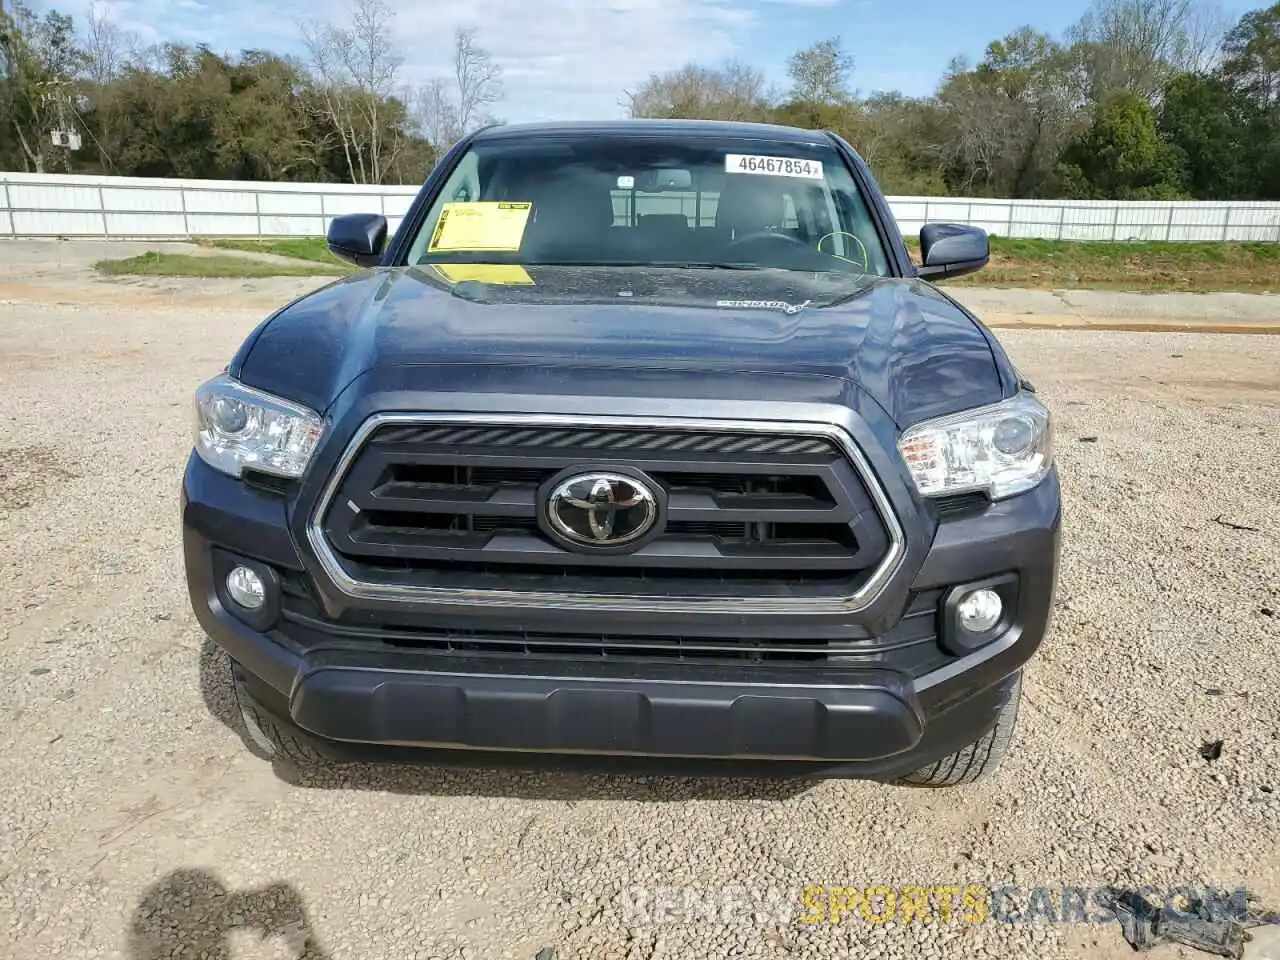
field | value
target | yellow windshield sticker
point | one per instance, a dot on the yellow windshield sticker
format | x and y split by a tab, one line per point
480	225
504	273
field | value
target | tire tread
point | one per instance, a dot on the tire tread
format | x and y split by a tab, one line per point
979	759
287	742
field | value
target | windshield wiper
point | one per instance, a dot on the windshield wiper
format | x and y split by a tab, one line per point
667	264
712	265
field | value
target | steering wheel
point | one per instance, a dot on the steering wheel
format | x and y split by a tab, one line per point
865	265
765	235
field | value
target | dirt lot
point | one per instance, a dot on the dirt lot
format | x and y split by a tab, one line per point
137	825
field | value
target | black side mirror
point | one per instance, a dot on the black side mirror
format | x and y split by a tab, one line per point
952	250
358	238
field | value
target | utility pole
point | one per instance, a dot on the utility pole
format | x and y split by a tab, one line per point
64	134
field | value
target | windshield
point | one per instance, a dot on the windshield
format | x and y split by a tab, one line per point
644	201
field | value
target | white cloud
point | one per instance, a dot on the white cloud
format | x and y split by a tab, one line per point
566	58
562	58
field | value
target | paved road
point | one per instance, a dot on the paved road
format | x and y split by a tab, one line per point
1096	309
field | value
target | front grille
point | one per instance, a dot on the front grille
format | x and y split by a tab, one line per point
749	514
910	644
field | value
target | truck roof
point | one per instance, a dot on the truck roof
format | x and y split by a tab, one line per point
681	128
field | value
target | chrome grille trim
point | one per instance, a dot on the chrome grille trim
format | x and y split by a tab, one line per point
863	597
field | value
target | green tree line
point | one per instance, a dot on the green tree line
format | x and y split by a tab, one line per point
1140	99
88	98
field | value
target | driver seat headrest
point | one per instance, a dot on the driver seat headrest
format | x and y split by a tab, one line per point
749	204
580	201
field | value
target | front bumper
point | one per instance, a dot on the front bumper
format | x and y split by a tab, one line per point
696	711
361	698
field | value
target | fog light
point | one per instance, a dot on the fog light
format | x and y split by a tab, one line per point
246	588
979	611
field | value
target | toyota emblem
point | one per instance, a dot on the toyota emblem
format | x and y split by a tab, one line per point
601	510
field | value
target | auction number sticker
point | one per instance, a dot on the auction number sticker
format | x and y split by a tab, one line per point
773	166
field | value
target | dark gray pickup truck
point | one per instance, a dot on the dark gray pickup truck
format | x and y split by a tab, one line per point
641	444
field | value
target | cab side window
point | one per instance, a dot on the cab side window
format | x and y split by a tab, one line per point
463	186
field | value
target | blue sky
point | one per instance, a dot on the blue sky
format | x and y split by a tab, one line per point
574	58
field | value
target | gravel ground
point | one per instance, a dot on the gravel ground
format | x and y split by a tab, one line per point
137	825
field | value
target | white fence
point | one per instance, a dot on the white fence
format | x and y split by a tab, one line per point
49	205
52	205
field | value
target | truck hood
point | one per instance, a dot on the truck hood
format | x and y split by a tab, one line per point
900	341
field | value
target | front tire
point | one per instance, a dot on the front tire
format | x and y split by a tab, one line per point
269	738
979	759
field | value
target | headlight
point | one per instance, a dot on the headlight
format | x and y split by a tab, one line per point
1002	449
239	427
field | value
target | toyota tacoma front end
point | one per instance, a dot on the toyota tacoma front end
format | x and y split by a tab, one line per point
641	441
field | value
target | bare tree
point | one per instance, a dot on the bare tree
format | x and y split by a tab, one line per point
356	69
152	57
820	73
1135	46
370	58
479	79
985	126
448	108
1005	121
436	111
733	92
106	47
332	96
1252	56
1207	30
899	138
